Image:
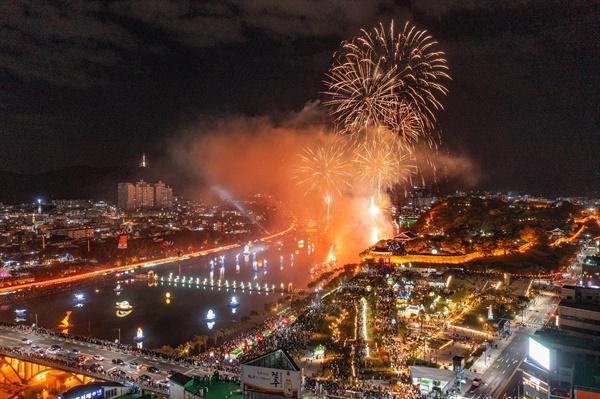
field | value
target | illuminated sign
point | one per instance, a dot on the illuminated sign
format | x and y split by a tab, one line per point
96	393
539	353
272	381
535	383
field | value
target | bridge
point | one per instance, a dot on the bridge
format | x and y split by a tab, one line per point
22	369
18	374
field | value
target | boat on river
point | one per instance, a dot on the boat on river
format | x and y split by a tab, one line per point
234	303
210	316
139	336
64	324
123	305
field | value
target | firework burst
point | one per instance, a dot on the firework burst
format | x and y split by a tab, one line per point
362	93
325	170
382	161
418	69
386	79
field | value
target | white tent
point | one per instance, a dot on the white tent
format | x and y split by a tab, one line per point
425	376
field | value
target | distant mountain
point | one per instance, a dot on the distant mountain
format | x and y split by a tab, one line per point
77	182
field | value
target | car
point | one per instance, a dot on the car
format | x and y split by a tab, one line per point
118	361
153	369
51	351
145	377
171	372
56	348
74	351
97	367
98	357
476	382
26	341
135	365
118	373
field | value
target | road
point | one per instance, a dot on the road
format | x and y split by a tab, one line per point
13	338
502	376
500	372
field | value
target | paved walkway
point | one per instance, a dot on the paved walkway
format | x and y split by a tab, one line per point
311	365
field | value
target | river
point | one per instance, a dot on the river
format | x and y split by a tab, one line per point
171	312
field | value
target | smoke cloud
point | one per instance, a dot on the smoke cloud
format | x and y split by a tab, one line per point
246	156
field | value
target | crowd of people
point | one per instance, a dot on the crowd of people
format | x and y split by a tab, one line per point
345	368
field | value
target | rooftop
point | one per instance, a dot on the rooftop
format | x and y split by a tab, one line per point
278	359
215	388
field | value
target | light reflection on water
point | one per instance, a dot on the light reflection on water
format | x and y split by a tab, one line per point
169	312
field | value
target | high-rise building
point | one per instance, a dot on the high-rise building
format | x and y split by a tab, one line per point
126	196
163	195
563	363
143	195
579	311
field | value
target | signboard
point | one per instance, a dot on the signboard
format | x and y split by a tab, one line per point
271	381
539	353
91	393
122	242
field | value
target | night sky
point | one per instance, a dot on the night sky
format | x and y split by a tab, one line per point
99	83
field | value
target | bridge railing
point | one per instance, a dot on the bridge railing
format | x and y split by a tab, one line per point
74	368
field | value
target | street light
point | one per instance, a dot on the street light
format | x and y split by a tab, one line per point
119	330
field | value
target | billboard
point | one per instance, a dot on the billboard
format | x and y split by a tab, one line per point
271	381
122	242
539	353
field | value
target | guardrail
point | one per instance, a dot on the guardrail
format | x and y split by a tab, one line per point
72	367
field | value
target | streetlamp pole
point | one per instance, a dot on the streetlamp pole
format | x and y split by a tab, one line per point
119	330
36	321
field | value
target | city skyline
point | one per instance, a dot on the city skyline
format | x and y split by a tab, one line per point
99	84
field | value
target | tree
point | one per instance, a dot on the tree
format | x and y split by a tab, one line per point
458	296
485	246
528	235
199	342
415	245
216	335
533	235
270	307
507	245
166	349
453	245
182	350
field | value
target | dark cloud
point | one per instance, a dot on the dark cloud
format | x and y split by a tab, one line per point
98	82
67	44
